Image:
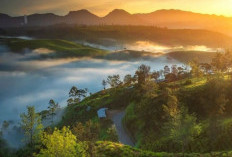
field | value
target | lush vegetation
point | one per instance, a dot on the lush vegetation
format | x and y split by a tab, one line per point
186	114
189	115
61	48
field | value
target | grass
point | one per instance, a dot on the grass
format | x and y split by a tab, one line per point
62	48
111	149
195	81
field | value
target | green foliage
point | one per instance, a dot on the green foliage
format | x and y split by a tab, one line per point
142	73
4	150
75	95
31	125
195	68
112	133
128	80
88	132
114	81
52	108
61	143
109	149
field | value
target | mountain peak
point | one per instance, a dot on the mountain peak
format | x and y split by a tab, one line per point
118	12
82	11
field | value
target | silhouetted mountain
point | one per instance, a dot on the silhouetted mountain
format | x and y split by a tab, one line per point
121	17
43	19
81	17
3	16
175	19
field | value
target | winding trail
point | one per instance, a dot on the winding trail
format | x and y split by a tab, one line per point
116	117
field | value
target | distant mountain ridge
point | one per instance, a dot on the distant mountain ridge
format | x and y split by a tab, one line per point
174	19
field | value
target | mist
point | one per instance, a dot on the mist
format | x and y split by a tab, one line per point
27	80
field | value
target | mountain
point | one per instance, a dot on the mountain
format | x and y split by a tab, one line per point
120	17
43	19
81	17
178	19
174	19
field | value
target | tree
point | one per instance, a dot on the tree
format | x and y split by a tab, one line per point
155	75
219	62
149	89
207	67
170	77
114	81
52	108
4	148
181	126
76	95
166	70
195	69
61	143
171	109
222	62
180	70
87	132
184	129
31	124
5	124
142	73
104	83
128	79
174	70
112	134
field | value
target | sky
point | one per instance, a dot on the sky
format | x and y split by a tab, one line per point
102	7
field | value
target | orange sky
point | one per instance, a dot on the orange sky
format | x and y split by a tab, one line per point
102	7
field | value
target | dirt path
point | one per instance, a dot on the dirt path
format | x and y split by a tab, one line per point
116	117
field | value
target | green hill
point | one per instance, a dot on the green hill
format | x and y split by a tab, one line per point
61	48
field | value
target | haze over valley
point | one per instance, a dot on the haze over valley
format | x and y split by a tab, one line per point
123	84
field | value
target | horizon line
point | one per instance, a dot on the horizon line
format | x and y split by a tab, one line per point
219	15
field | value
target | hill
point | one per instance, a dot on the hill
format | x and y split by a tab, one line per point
125	35
58	48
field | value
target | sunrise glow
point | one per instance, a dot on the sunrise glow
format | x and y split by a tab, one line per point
102	7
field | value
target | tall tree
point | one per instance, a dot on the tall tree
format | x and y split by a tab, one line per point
75	95
52	108
166	70
114	81
128	79
181	126
174	70
155	75
31	124
195	68
219	62
142	73
104	83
